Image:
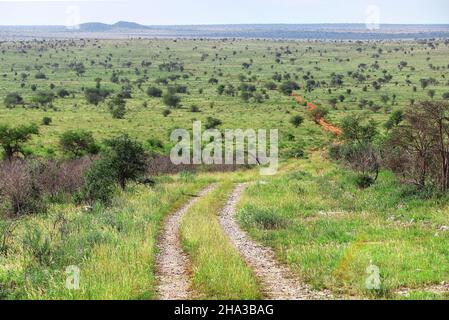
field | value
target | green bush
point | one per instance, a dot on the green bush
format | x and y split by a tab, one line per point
267	219
37	245
46	121
171	100
99	183
77	143
154	92
13	99
364	181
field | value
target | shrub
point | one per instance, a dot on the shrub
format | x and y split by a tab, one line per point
364	181
171	100
99	183
62	93
38	245
296	153
40	75
44	98
126	158
77	143
18	188
154	92
296	120
46	121
194	109
96	95
117	107
335	152
288	87
57	178
212	123
155	145
13	99
13	139
267	219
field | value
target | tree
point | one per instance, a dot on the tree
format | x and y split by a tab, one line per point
40	76
171	100
288	87
117	107
99	183
46	121
126	158
418	150
154	92
62	93
44	98
356	128
395	119
77	143
212	123
13	139
96	95
333	102
297	120
13	99
78	67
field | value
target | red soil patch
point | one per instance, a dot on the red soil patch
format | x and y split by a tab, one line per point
321	121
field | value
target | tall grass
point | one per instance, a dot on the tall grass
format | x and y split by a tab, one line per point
113	248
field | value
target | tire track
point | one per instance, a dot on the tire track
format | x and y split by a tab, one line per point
278	281
172	264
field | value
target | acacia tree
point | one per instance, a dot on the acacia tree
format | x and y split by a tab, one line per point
418	150
13	139
77	143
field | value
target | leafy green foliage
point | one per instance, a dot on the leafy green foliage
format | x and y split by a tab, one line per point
77	143
12	139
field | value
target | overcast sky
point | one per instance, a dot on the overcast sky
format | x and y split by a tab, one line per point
163	12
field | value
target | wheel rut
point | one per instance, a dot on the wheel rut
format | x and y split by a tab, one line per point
277	280
172	263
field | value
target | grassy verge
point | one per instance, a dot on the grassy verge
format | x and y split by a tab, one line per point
114	248
218	270
330	232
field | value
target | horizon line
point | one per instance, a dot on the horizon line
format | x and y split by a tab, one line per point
232	24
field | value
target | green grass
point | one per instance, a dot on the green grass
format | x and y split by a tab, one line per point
218	271
311	213
113	247
330	232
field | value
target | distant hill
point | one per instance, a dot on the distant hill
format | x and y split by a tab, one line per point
103	27
125	29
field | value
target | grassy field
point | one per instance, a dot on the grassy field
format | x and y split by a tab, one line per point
114	248
312	214
330	231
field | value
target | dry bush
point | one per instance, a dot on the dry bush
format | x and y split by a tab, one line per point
62	177
18	190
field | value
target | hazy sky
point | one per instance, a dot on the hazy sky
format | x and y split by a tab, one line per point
154	12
